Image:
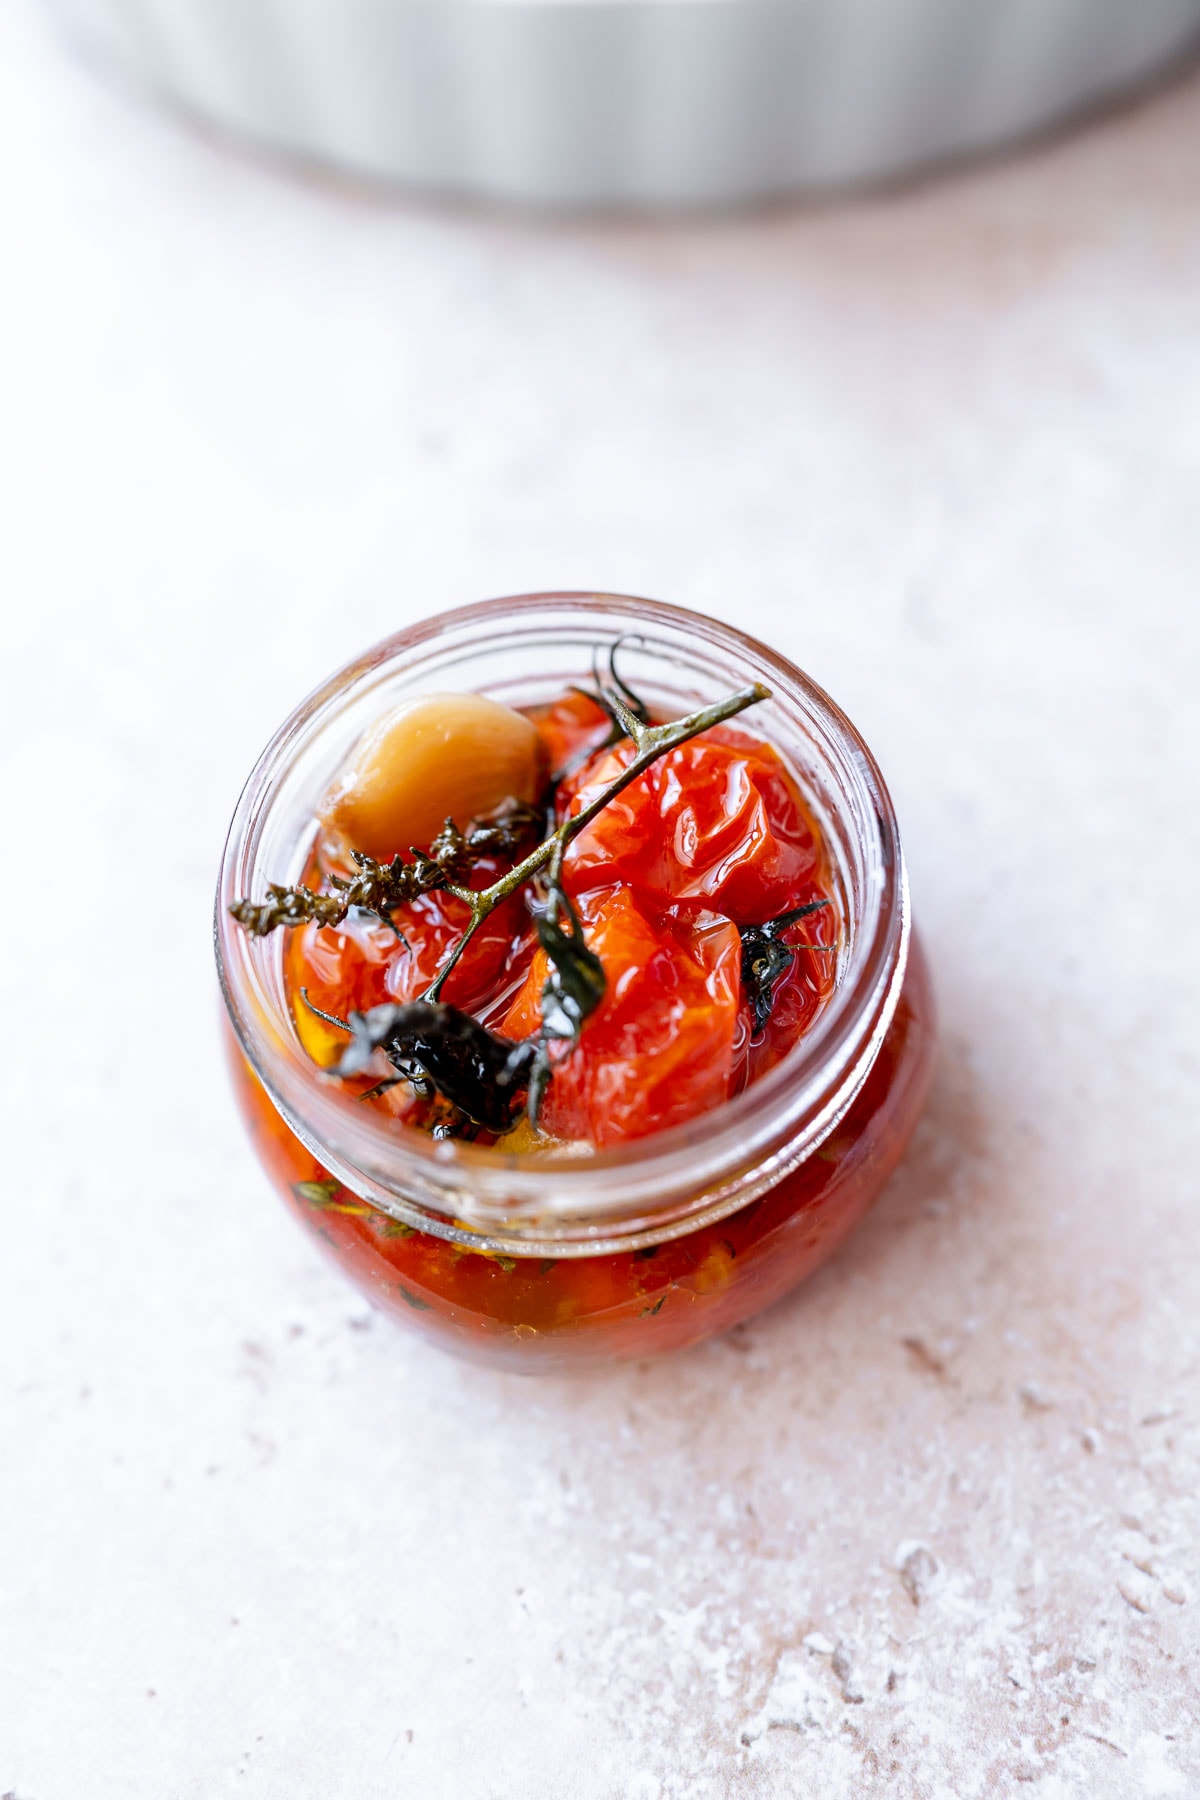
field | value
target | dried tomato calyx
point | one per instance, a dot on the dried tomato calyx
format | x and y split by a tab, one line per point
766	959
433	1045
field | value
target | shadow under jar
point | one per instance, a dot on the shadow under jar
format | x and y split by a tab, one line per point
550	1260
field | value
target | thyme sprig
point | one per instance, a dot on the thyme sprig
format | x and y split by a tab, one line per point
382	887
766	959
288	906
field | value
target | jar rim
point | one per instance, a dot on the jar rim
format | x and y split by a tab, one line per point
650	1187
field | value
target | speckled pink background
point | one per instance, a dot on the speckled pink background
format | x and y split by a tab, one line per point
929	1529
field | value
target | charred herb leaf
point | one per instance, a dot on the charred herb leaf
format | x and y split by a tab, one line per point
437	1047
764	963
766	959
382	887
572	991
576	983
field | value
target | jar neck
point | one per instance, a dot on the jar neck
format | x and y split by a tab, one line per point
526	650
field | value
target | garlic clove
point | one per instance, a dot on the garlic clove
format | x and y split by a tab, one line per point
456	756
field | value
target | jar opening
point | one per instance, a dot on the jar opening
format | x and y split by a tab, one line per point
526	649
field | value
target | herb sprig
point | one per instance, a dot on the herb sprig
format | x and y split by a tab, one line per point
382	887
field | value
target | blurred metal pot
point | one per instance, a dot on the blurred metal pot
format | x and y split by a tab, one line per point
644	103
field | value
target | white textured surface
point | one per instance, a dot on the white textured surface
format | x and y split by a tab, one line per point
945	450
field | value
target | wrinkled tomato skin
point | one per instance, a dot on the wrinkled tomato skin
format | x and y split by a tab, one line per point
714	836
660	1048
542	1313
363	963
717	822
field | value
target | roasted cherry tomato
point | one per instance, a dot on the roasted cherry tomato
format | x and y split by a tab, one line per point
660	1049
363	963
717	822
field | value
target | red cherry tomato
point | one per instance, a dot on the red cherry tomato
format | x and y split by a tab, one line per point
660	1049
362	963
717	821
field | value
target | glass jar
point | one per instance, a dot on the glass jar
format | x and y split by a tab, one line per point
542	1260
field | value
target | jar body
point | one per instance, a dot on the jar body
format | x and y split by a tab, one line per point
536	1260
538	1312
